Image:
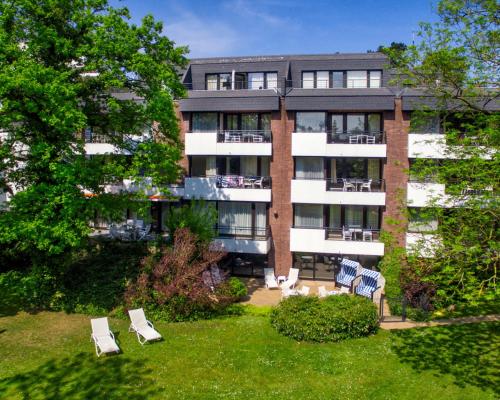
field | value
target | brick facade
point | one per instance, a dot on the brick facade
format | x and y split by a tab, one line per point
396	125
281	169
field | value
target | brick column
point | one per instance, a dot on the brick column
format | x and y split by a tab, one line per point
183	119
281	170
396	125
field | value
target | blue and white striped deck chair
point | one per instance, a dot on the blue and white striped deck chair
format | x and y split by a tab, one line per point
348	272
369	283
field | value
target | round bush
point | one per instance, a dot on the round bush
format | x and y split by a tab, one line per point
331	319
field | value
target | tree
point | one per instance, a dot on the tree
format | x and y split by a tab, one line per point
66	65
178	283
456	65
395	52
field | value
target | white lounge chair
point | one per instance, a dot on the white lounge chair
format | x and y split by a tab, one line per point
270	279
304	290
102	336
293	277
144	329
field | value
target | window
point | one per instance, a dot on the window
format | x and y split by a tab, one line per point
310	122
204	122
235	218
308	216
374	123
256	80
272	80
356	123
337	123
372	216
322	79
249	122
232	122
375	79
350	167
308	80
225	81
212	82
356	79
198	166
337	79
354	216
265	122
309	168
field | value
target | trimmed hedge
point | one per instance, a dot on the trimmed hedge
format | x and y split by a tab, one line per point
331	319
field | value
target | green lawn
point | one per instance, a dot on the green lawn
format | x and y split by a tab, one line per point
49	356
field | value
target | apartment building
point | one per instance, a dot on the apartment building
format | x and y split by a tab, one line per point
305	157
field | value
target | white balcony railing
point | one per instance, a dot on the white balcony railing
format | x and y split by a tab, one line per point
319	191
321	144
227	188
257	143
316	240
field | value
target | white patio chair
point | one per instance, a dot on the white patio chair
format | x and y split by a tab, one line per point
270	279
322	292
258	183
366	185
287	292
370	139
257	138
353	139
346	234
368	236
144	329
304	290
348	185
102	336
291	281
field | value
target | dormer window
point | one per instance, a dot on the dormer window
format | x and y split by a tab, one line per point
341	79
242	80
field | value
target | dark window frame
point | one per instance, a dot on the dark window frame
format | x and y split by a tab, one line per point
344	77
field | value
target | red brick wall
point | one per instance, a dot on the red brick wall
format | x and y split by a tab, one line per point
396	125
281	170
184	127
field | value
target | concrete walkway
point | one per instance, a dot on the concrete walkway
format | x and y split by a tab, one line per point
439	322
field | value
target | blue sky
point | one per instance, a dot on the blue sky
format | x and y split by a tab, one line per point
262	27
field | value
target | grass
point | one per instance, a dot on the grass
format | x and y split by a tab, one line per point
49	356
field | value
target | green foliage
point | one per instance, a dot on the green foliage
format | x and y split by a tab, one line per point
234	288
48	50
92	282
28	291
455	61
198	216
331	319
395	52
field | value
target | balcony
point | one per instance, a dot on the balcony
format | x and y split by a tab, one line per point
433	145
323	144
331	241
252	240
422	244
339	191
229	187
228	143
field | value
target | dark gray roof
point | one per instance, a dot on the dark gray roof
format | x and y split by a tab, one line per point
290	57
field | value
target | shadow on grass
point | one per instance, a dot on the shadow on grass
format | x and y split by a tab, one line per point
468	352
82	377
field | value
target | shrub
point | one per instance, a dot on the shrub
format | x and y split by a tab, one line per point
331	319
233	288
171	285
31	290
